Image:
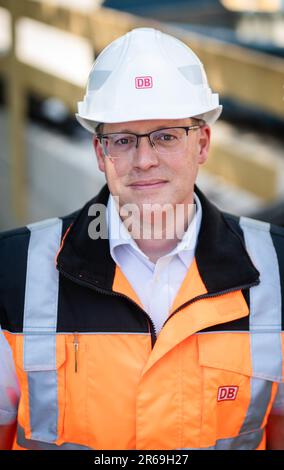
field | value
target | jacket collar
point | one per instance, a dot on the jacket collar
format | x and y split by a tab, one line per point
221	256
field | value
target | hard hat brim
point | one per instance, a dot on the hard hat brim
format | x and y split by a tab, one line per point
210	117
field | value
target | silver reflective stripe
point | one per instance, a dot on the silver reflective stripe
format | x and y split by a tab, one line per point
40	321
259	401
248	441
39	445
265	320
265	301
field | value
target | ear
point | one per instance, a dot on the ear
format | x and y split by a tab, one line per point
204	143
99	154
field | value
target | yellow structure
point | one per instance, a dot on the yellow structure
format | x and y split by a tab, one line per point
267	6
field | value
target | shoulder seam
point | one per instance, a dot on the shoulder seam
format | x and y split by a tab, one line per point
24	231
274	230
11	235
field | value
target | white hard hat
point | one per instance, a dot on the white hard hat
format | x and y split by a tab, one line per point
147	74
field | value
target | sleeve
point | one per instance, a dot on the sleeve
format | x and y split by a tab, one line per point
278	404
9	386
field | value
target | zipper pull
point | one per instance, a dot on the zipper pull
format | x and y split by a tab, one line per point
76	347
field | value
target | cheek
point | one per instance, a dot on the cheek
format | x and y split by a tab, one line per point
184	167
114	177
117	169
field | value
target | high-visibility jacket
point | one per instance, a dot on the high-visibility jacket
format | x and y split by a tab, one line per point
94	375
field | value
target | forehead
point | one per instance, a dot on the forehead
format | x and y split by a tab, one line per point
145	125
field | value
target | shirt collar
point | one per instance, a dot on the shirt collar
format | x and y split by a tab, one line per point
119	235
221	256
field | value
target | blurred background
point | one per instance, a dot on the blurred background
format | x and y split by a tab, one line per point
47	47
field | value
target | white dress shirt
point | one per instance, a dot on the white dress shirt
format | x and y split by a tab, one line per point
156	284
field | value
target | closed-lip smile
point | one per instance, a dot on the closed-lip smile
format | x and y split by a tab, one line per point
153	183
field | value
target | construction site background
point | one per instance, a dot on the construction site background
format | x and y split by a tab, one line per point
47	162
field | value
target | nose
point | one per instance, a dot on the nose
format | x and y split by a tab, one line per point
145	155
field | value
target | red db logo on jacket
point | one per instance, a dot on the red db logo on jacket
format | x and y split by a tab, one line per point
227	393
143	82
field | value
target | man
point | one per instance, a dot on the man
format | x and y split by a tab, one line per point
122	336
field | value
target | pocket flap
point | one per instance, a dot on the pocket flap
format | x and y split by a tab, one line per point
233	352
39	352
225	351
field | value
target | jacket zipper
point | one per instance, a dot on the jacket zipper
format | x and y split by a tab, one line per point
76	349
215	294
115	294
152	326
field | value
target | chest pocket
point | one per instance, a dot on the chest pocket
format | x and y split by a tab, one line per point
53	393
237	392
40	361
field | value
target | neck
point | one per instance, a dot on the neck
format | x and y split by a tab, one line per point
155	249
158	232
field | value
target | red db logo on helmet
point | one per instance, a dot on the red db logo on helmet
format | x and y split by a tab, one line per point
143	82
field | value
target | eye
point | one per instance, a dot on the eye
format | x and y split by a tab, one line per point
167	137
123	140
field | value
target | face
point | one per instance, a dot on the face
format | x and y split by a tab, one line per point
151	178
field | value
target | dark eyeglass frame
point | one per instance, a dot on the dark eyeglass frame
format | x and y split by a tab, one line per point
138	136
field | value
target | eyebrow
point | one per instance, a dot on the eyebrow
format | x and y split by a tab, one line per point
128	131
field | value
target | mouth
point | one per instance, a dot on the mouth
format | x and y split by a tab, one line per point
147	184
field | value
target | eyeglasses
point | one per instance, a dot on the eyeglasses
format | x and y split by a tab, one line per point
166	141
